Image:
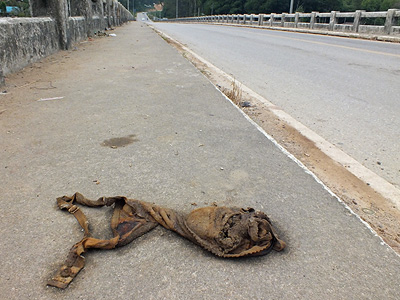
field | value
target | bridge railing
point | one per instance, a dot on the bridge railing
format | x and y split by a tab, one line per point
360	21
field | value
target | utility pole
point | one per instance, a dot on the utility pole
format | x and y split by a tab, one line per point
128	5
177	2
291	7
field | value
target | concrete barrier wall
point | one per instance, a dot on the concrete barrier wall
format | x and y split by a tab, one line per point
26	40
77	29
56	25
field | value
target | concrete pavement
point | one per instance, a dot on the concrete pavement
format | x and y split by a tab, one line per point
175	141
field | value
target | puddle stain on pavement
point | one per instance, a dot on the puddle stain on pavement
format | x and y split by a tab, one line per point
119	141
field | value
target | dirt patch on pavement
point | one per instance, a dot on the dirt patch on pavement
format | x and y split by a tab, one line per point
380	213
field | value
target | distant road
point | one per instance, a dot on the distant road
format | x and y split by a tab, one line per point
346	90
142	17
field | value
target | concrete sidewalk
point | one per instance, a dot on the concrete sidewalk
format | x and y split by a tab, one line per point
176	141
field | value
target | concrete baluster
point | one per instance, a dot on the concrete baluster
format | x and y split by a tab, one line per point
357	19
332	20
389	20
313	19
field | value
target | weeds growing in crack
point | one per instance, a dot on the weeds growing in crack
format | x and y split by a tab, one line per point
234	93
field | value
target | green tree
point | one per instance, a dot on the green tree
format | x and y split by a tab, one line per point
319	5
269	6
21	11
193	7
371	5
386	4
3	10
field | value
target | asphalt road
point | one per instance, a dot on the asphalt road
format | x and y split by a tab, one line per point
346	90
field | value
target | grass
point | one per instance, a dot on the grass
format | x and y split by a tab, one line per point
234	93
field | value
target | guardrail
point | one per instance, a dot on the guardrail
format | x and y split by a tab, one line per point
382	22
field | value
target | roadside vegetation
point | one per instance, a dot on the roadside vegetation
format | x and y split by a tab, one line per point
14	8
234	93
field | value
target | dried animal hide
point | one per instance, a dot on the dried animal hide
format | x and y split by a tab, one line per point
224	231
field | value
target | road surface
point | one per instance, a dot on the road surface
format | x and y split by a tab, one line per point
181	145
346	90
